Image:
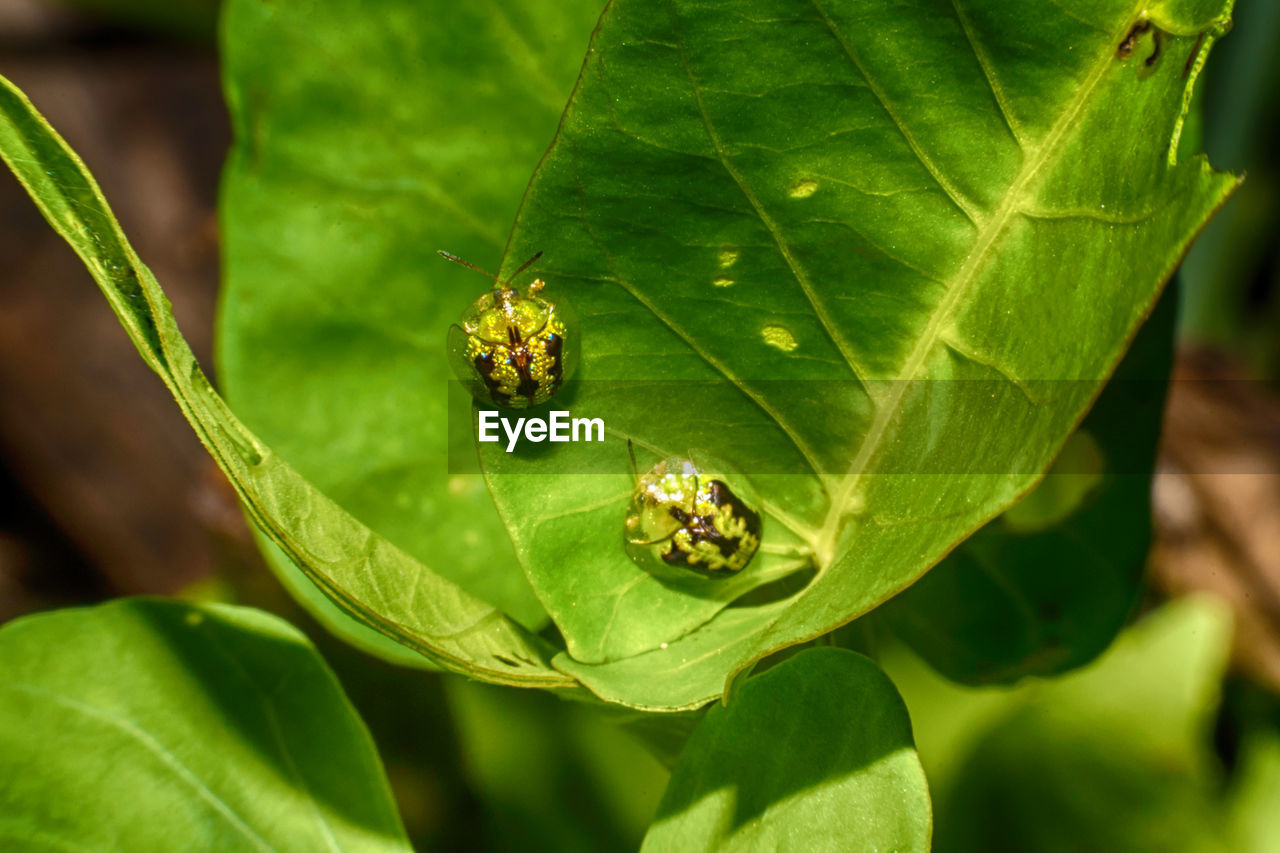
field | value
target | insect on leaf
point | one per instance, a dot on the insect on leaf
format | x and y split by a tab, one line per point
364	143
337	553
882	257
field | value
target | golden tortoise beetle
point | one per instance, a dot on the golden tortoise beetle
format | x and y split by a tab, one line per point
684	516
511	349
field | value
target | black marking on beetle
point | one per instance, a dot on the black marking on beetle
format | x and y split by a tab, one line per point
554	344
484	366
521	358
702	528
527	386
1125	50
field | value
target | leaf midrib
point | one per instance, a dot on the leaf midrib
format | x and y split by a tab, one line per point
828	324
152	745
267	707
988	235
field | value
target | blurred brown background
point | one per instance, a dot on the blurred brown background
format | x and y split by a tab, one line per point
105	488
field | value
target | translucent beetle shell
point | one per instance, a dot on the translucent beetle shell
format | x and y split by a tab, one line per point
693	513
511	349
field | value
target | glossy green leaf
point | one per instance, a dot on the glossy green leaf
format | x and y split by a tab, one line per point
1048	585
154	725
364	142
370	578
813	754
681	675
904	244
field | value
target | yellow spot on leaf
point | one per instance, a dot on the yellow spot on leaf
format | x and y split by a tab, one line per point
803	189
728	257
722	281
777	336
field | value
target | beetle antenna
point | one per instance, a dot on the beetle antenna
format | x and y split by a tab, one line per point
523	267
635	469
457	260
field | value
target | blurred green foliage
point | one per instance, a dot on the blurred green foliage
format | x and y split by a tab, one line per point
1232	274
1118	756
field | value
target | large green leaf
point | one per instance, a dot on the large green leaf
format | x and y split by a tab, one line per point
892	250
153	725
1048	585
814	754
371	579
364	142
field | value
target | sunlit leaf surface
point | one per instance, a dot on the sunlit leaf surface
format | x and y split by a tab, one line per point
906	243
815	754
154	725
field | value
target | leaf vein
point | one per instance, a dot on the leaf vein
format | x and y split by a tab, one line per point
801	446
987	239
267	705
972	355
957	197
1085	213
153	746
784	247
988	71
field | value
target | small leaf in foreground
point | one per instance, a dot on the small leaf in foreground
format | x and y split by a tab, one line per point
813	754
154	725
